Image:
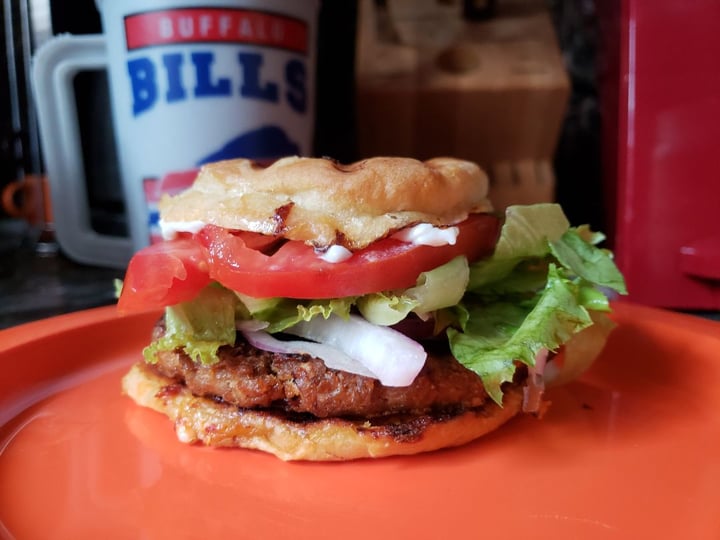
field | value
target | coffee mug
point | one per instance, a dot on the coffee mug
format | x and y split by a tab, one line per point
191	81
28	199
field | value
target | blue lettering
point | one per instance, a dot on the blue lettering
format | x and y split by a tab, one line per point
296	94
175	91
142	80
204	85
251	87
145	88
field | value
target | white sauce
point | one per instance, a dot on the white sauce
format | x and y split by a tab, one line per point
170	229
424	234
335	254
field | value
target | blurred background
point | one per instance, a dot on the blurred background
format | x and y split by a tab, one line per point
586	103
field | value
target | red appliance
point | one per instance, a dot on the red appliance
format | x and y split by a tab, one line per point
660	93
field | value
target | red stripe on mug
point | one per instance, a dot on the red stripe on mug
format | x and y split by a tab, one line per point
215	25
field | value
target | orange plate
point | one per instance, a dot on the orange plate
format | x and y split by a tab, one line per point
629	451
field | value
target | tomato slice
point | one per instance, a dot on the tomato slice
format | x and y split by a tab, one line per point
295	270
174	271
164	274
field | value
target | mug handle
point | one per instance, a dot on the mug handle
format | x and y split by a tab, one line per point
8	198
54	66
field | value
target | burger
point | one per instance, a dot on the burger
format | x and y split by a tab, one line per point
322	311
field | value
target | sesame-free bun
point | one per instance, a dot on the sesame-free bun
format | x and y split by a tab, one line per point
322	202
215	423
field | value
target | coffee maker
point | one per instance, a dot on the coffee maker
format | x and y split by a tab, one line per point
661	122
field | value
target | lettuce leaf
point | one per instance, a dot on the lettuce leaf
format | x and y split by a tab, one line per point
497	335
535	292
282	313
525	234
439	288
587	261
200	326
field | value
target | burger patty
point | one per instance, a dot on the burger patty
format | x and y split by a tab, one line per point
251	378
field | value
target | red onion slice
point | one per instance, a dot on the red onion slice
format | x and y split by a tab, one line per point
332	358
533	391
394	358
251	325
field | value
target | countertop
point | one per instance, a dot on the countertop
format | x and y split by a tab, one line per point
37	280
